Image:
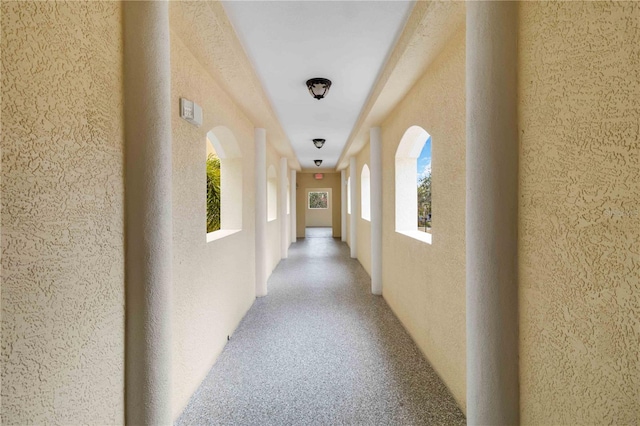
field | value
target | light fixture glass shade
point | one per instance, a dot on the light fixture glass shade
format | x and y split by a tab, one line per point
318	87
318	143
318	162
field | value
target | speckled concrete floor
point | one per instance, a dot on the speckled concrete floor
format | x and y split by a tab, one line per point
320	349
318	232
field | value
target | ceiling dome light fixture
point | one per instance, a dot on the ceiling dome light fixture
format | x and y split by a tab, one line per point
318	143
318	162
318	87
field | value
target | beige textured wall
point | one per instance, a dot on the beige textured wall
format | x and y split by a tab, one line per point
579	213
363	232
214	283
62	214
425	284
1	250
306	180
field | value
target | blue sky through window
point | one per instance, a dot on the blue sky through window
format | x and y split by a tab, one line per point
424	160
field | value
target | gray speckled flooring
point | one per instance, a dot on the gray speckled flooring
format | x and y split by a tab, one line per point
318	232
320	349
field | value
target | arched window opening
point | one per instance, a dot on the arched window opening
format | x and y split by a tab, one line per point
224	183
288	197
424	187
349	195
365	193
213	188
413	184
272	194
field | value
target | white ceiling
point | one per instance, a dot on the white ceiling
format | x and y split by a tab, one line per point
289	42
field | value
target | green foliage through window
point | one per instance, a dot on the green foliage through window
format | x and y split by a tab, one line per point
318	200
213	193
424	203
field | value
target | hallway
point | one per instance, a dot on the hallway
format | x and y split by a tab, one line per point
321	349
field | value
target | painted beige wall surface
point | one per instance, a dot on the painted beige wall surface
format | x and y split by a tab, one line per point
364	226
214	283
319	217
305	181
62	213
425	284
579	213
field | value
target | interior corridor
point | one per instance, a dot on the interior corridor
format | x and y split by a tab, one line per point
321	349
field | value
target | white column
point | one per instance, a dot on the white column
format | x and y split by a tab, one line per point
284	223
149	228
492	213
261	212
353	224
343	204
375	145
294	229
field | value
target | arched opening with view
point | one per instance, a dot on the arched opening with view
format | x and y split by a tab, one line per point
365	193
349	195
272	194
413	184
288	196
224	183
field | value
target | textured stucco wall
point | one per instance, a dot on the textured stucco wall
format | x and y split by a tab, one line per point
305	181
62	213
425	284
214	283
579	229
364	226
